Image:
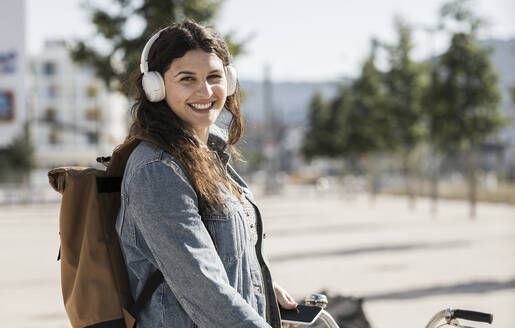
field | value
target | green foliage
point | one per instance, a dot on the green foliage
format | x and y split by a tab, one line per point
459	14
17	158
254	159
465	95
120	53
367	125
463	98
404	88
377	112
317	140
339	124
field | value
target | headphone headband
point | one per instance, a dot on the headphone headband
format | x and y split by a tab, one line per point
143	66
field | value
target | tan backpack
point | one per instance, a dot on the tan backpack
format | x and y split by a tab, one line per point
94	278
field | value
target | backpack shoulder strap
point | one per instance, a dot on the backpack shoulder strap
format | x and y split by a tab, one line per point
120	155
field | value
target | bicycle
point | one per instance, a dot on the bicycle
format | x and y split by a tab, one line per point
449	316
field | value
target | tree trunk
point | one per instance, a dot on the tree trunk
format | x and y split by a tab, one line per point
408	174
434	192
472	181
372	176
435	176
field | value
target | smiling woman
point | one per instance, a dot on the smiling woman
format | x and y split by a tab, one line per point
184	211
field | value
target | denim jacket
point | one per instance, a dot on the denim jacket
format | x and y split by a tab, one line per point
213	275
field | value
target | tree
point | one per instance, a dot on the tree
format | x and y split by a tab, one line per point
319	139
367	128
404	86
120	53
355	124
17	159
466	98
437	148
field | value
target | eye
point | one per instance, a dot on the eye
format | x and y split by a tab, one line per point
215	76
187	78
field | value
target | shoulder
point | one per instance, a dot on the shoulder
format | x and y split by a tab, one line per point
145	152
153	161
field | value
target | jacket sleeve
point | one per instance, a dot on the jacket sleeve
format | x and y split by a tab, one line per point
165	208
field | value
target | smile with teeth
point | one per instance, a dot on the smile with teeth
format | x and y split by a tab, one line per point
202	106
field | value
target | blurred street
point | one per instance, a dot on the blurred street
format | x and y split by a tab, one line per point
407	264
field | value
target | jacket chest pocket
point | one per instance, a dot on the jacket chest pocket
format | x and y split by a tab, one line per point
228	232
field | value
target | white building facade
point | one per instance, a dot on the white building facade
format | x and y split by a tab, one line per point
75	118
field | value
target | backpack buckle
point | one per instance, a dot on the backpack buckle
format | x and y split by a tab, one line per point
104	160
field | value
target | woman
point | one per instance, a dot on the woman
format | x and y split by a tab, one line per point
185	211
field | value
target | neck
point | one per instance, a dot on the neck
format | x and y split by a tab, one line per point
202	134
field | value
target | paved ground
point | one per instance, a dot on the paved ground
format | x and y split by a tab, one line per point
406	263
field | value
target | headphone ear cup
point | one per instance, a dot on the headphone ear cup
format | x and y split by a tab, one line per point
231	77
154	86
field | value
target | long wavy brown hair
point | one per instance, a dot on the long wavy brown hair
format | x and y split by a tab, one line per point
157	122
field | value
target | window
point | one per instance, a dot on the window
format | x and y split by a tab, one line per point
50	114
6	106
92	137
8	62
92	114
49	68
91	91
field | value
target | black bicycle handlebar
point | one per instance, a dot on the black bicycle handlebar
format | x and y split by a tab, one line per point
473	316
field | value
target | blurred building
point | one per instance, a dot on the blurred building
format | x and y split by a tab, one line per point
503	59
74	118
12	70
290	99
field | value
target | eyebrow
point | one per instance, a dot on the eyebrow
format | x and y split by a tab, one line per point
193	73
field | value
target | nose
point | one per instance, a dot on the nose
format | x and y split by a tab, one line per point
204	89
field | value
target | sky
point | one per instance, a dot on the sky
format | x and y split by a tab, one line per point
300	40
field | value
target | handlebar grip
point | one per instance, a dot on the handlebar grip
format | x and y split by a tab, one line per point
473	316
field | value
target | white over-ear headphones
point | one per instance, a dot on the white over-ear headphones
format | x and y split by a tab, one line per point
153	83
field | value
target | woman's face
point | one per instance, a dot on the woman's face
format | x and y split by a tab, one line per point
196	89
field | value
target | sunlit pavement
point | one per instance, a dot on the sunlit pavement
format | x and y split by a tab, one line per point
406	263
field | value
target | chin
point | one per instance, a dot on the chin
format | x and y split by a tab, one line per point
205	124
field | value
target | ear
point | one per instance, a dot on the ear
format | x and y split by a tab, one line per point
154	86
